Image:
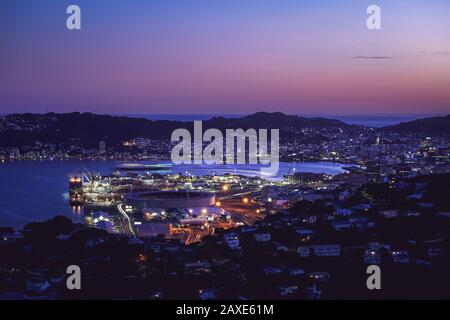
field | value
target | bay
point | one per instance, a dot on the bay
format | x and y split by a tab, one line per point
38	190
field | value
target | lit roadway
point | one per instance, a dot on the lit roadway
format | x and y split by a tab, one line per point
239	194
191	235
241	212
195	234
126	219
247	213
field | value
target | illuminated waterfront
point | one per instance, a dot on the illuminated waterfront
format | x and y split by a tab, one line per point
38	190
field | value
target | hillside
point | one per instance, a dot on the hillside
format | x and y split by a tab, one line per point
433	125
89	128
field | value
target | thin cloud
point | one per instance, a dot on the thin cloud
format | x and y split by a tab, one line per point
373	57
425	53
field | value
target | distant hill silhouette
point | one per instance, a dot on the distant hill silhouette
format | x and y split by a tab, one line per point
433	125
89	128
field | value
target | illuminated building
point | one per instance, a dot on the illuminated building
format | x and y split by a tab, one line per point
76	191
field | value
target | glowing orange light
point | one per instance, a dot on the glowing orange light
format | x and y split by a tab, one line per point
225	187
218	204
245	200
142	257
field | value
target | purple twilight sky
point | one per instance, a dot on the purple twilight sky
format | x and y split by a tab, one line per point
211	56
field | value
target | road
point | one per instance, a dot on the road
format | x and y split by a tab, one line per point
191	235
126	219
238	195
242	212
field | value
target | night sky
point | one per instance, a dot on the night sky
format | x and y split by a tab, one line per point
225	56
